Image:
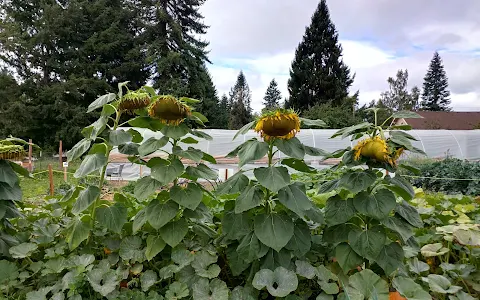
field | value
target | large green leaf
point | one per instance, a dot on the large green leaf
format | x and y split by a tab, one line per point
95	129
159	214
201	171
401	187
8	192
9	272
128	148
175	131
191	153
112	217
19	169
167	171
377	205
201	134
76	232
251	150
235	226
292	147
417	266
139	220
174	232
339	211
103	281
298	164
244	129
148	279
390	257
204	264
279	283
301	240
295	199
370	285
357	181
215	290
313	123
305	269
145	187
338	233
177	290
252	196
410	214
146	122
189	197
131	249
312	151
250	248
397	224
91	163
410	289
274	230
244	293
469	238
155	244
7	174
347	258
233	185
101	101
273	178
362	127
85	198
236	263
368	243
119	136
151	145
23	250
441	284
436	249
406	115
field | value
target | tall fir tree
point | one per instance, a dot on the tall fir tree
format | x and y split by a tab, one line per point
66	55
240	102
223	117
436	96
318	74
272	96
398	97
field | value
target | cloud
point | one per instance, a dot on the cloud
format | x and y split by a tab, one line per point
378	38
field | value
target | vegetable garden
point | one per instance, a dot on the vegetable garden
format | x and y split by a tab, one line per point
352	232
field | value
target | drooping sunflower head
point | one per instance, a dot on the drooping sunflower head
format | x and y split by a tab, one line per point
134	100
281	124
169	110
12	152
378	150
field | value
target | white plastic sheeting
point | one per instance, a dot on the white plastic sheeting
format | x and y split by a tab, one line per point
462	144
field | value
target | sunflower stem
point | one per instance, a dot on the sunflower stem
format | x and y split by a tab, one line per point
174	156
270	158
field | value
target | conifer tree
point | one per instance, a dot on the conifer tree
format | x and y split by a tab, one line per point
436	96
223	113
240	101
272	96
318	74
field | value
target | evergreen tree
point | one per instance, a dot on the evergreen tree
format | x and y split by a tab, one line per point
66	55
223	116
240	102
436	96
318	74
272	96
398	97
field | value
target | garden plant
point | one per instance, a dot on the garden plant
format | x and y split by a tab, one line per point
360	232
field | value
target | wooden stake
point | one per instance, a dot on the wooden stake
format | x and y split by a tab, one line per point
65	174
50	176
141	171
60	154
30	150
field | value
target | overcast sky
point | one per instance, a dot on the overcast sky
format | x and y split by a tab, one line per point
378	38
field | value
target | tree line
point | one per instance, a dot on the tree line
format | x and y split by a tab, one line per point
58	56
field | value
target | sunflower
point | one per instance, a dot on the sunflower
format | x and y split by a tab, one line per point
134	100
12	152
281	124
377	148
169	110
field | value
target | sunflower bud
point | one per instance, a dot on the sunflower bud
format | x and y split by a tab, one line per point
169	110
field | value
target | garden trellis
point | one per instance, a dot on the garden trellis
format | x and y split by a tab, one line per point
437	144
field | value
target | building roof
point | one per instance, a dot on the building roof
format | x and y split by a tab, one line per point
446	120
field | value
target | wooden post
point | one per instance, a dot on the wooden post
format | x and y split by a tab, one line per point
65	174
141	171
50	176
30	152
60	154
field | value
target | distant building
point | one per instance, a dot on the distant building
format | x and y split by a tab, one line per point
448	120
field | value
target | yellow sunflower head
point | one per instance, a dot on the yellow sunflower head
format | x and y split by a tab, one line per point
377	149
281	124
133	101
169	110
12	152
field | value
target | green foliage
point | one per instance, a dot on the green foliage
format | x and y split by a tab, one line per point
436	96
318	74
398	98
335	116
272	97
240	103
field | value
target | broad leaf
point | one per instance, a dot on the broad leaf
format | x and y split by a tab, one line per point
357	181
148	279
112	217
189	140
128	148
298	164
377	205
397	224
313	123
23	250
177	290
301	240
8	192
76	232
201	134
159	214
175	131
390	258
410	289
191	153
85	198
151	145
401	187
233	185
250	248
305	269
244	129
338	233
339	211
406	115
189	197
368	243
139	220
370	285
215	290
312	151
442	285
347	258
362	127
146	122
417	266
273	178
7	174
274	230
436	249
174	232
101	101
155	244
279	283
103	281
167	171
201	171
91	163
145	187
131	249
250	151
119	137
410	214
252	196
235	226
292	147
294	198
